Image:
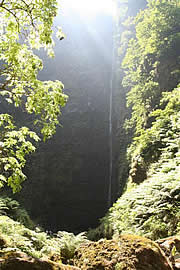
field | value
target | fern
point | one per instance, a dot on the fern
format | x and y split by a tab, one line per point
70	242
3	207
19	238
12	209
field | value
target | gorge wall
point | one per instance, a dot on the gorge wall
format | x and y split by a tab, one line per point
80	172
121	35
67	186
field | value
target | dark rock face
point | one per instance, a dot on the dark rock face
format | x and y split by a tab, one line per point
129	252
120	112
68	176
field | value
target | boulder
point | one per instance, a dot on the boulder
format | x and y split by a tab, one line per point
127	252
20	261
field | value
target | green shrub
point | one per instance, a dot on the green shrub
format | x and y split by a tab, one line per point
12	209
19	238
162	139
151	209
70	242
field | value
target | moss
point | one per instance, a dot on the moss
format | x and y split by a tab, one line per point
127	252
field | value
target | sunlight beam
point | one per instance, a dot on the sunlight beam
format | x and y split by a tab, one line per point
89	7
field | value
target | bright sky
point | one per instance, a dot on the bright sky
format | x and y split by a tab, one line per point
89	7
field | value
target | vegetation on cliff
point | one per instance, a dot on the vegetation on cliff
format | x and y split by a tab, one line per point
151	209
151	62
150	205
152	72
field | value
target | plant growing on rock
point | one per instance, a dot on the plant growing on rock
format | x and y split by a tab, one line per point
70	242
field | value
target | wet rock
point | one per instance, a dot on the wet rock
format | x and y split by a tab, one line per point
20	261
127	252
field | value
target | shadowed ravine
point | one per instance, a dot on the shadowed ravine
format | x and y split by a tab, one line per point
69	178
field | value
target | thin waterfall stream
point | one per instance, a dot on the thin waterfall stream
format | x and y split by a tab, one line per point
109	201
110	147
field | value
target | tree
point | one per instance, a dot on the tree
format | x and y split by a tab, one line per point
25	27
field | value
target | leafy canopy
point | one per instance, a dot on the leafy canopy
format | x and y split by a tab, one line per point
25	27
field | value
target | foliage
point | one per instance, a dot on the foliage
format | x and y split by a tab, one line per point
152	208
151	71
12	209
19	238
70	242
162	138
152	54
15	145
36	243
151	66
25	27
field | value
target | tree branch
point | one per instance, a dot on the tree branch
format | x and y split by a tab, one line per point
11	12
2	2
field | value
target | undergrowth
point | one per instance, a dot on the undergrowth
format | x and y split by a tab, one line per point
12	209
151	209
16	237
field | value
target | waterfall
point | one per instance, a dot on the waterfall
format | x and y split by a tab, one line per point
109	201
110	146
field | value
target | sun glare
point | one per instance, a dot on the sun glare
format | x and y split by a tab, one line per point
89	7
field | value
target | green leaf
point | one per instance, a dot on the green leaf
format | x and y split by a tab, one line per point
3	178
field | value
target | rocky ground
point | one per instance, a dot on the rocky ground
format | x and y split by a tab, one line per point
127	252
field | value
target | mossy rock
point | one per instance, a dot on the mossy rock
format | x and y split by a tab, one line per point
20	261
127	252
